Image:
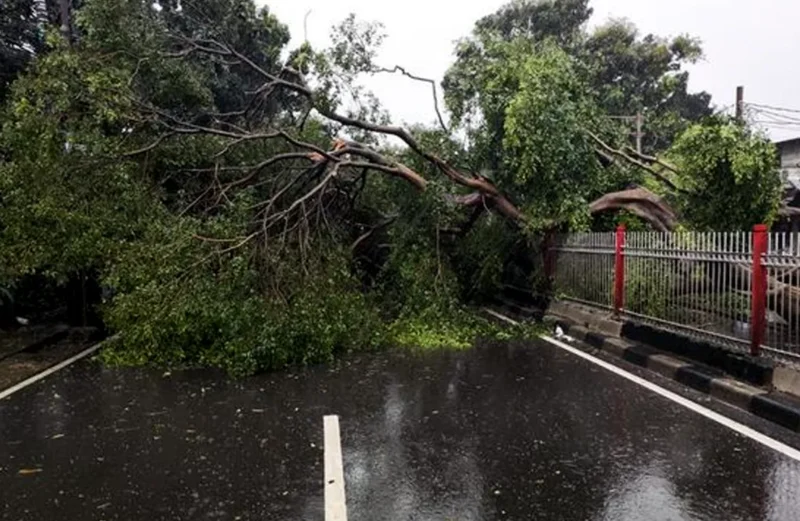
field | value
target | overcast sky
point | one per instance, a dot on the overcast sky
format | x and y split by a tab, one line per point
754	43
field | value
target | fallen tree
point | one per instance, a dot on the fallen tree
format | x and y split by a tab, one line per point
249	207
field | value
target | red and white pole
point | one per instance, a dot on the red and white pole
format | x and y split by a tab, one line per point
619	271
758	298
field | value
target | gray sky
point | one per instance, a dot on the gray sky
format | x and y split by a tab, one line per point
746	42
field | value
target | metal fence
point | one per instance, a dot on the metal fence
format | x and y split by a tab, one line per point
782	263
695	281
585	268
699	283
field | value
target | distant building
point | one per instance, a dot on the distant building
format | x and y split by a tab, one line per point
789	214
789	152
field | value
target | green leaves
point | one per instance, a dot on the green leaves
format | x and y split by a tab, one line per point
631	73
549	160
731	175
22	26
355	45
122	161
66	206
213	314
146	152
534	108
624	72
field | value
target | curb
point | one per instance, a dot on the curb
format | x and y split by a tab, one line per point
776	407
759	371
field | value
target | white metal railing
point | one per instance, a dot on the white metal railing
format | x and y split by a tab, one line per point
782	263
585	267
700	283
697	281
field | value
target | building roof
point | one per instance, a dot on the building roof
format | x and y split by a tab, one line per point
785	142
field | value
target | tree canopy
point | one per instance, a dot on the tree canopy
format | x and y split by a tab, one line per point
730	175
626	72
242	206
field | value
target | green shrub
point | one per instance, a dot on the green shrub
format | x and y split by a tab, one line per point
219	320
228	310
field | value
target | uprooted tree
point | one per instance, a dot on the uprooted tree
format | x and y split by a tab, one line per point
249	208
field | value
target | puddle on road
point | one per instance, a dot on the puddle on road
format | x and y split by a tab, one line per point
497	432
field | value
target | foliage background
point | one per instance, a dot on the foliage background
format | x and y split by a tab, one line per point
94	195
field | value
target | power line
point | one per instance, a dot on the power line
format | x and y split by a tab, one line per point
771	117
777	124
723	110
776	116
772	107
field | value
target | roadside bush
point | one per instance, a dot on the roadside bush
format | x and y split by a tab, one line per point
422	299
219	320
180	303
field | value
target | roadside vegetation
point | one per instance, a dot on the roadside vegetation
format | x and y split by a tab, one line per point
221	199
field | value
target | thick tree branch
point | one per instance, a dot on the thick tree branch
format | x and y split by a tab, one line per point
400	171
642	203
501	203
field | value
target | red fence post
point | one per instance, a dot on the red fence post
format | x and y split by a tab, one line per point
619	271
758	297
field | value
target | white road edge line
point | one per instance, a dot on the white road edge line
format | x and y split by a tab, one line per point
47	372
335	505
708	413
504	318
689	404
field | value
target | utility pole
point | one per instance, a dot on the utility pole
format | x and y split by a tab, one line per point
639	134
65	11
739	103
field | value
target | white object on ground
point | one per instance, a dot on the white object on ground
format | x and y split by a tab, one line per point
561	336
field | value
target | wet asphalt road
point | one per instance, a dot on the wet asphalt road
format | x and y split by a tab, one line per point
497	432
